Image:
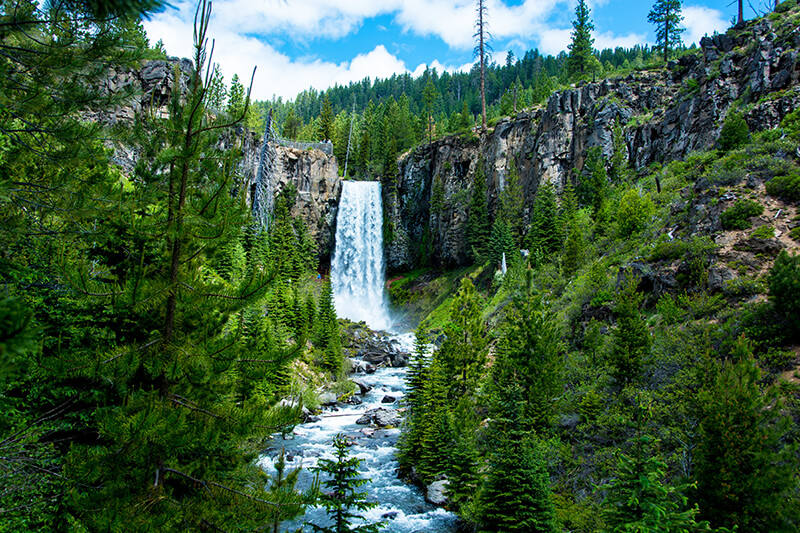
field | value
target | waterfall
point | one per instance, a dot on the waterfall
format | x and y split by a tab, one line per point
357	270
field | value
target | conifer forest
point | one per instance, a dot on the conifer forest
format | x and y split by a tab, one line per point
548	294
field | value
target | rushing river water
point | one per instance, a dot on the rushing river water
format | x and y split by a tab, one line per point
401	503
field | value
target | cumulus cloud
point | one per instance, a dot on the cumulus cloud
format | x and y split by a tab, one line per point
700	21
245	32
277	74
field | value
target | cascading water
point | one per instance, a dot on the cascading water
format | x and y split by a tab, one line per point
357	278
357	271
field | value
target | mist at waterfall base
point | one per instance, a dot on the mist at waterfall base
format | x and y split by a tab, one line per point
357	267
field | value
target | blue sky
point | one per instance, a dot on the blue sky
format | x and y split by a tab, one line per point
316	43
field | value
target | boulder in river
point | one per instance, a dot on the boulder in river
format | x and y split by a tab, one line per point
388	399
380	417
327	398
437	493
362	387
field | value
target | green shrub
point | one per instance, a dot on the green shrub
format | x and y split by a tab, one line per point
738	216
787	187
794	233
743	286
785	6
791	122
735	132
784	289
669	250
763	232
633	213
671	313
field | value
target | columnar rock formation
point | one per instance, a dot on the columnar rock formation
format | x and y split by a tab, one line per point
313	172
666	114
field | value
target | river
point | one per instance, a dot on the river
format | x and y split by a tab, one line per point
402	504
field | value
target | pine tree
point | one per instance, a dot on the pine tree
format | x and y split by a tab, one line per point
515	495
580	50
639	498
482	52
162	373
631	344
593	184
292	125
544	233
666	15
501	242
478	228
744	468
236	98
530	357
463	353
511	200
326	119
784	289
343	502
619	155
328	338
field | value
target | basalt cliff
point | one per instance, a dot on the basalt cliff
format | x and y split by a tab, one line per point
665	114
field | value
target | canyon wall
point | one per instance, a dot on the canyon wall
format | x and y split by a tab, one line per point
665	114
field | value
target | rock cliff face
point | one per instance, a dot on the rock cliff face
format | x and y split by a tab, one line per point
665	115
313	172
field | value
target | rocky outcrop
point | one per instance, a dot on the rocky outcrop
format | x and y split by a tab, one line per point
665	114
313	172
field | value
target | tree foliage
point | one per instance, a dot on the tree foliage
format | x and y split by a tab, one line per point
580	49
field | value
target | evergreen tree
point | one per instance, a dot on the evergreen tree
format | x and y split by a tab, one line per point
159	434
292	125
429	95
326	119
328	339
744	468
784	289
501	242
619	155
511	200
631	338
342	502
580	49
515	495
593	184
666	15
478	227
236	99
544	233
463	353
640	500
530	357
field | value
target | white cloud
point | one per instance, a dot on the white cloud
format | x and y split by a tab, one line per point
700	21
243	30
609	40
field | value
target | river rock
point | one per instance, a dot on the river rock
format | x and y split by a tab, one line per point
437	493
388	399
391	515
327	399
381	417
353	399
362	387
386	417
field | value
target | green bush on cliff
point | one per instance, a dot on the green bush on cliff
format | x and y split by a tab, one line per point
738	216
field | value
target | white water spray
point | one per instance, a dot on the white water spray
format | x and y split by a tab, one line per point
357	270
